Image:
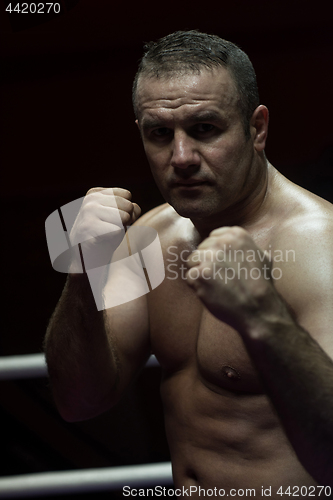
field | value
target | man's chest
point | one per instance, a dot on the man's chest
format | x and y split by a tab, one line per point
183	332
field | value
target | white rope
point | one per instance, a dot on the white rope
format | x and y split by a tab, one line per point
87	480
33	365
25	366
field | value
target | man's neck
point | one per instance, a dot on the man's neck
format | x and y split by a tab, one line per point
244	213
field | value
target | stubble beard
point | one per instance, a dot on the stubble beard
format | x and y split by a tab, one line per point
196	208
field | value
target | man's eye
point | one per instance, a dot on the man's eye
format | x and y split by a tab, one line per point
204	127
161	132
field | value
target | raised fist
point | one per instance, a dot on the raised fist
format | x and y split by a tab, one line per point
100	226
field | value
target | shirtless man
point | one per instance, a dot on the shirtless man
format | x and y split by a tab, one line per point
247	391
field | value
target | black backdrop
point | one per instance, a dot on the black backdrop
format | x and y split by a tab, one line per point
67	125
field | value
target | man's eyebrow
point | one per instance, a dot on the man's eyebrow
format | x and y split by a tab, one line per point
206	116
200	116
149	123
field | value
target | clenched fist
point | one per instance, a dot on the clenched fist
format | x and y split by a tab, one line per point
236	289
100	226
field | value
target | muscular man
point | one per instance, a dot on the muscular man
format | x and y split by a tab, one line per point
242	323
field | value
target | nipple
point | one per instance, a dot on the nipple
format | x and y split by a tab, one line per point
230	373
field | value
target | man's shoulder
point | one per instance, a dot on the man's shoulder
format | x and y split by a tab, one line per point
161	218
301	214
301	253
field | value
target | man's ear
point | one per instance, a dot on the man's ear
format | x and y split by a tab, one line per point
259	127
138	125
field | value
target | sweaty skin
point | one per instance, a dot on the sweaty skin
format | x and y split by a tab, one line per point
223	429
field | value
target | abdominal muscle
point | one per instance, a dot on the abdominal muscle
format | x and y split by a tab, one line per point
230	443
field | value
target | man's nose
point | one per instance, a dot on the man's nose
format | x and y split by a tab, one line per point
184	152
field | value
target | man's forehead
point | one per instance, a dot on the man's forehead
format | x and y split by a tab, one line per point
172	91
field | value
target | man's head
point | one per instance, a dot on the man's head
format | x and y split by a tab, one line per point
190	52
203	137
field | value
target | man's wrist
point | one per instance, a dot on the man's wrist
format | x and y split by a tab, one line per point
269	326
269	321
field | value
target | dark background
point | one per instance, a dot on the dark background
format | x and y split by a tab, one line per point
67	125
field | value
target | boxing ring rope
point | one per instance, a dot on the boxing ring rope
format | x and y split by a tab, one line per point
25	366
86	481
80	481
33	365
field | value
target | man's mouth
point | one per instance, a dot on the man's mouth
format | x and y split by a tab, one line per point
189	183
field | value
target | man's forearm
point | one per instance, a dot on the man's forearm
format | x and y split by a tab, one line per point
81	361
298	377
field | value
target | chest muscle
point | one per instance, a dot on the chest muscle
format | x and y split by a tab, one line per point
183	332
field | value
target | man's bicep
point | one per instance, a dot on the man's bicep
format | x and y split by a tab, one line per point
304	277
312	297
316	316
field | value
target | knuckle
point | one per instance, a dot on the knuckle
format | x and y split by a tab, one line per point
126	217
122	193
89	206
236	232
124	203
93	190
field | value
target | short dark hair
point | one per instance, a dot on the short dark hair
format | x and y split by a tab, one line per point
190	51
